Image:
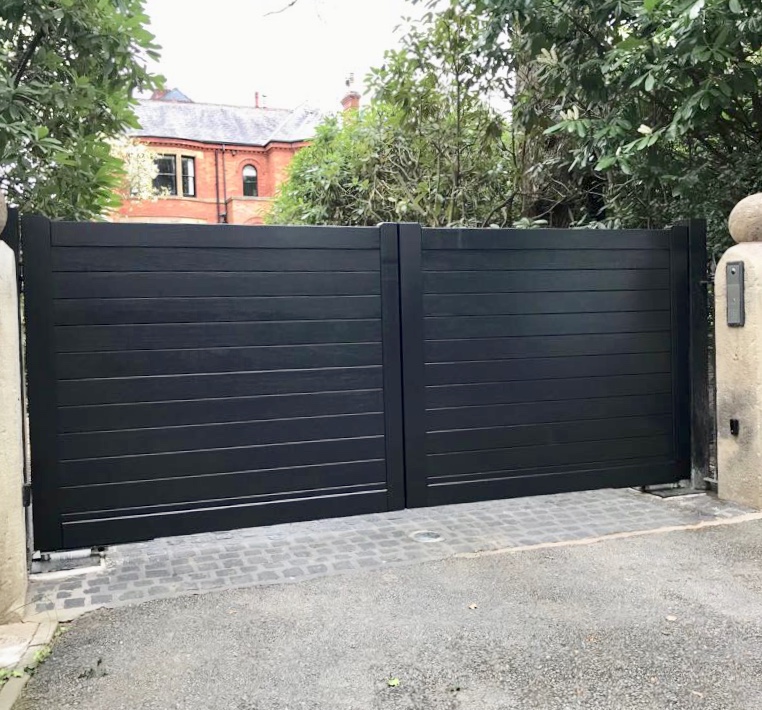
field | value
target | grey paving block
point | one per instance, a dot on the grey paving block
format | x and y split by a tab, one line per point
130	596
102	598
74	603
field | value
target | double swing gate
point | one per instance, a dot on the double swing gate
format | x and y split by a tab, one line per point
187	378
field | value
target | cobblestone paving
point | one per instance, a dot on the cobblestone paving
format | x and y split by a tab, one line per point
194	564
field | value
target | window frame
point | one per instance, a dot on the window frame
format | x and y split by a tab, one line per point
191	175
182	178
246	180
172	190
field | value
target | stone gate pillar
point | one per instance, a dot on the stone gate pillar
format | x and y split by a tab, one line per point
13	573
738	330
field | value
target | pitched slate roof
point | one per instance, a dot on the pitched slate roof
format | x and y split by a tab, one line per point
213	123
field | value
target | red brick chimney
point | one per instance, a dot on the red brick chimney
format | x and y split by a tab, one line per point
351	102
158	94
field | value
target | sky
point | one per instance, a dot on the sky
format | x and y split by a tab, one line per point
224	51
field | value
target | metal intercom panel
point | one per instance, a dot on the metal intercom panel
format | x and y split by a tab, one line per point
734	279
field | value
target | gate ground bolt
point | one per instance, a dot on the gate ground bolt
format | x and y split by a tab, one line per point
739	362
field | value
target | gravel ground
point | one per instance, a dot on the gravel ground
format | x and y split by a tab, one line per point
671	620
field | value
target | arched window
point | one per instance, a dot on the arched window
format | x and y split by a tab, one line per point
250	181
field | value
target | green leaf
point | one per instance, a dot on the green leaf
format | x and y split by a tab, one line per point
649	84
606	162
393	682
735	7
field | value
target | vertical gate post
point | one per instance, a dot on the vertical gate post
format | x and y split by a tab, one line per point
41	374
413	359
738	344
13	573
702	417
680	308
392	365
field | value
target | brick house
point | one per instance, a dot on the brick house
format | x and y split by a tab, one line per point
217	163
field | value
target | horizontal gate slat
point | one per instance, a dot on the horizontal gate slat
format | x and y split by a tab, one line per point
216	411
564	259
547	434
538	390
218	435
173	509
194	463
71	234
113	311
237	384
88	338
217	487
211	259
489	283
554	474
558	324
541	239
498	348
546	368
559	479
531	303
215	360
516	458
491	415
131	527
209	283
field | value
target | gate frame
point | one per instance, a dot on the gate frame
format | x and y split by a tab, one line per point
703	414
689	326
41	364
403	359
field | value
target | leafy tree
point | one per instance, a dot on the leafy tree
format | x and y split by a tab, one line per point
138	171
68	71
428	149
655	104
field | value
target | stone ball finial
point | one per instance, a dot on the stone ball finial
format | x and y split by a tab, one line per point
745	222
3	212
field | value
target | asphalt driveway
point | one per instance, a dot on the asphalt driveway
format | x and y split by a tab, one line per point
669	620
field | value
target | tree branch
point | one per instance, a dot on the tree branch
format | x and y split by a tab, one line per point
27	56
290	4
506	203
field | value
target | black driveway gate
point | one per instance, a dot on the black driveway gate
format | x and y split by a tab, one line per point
191	378
539	361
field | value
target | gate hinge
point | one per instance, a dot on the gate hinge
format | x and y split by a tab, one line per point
26	494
